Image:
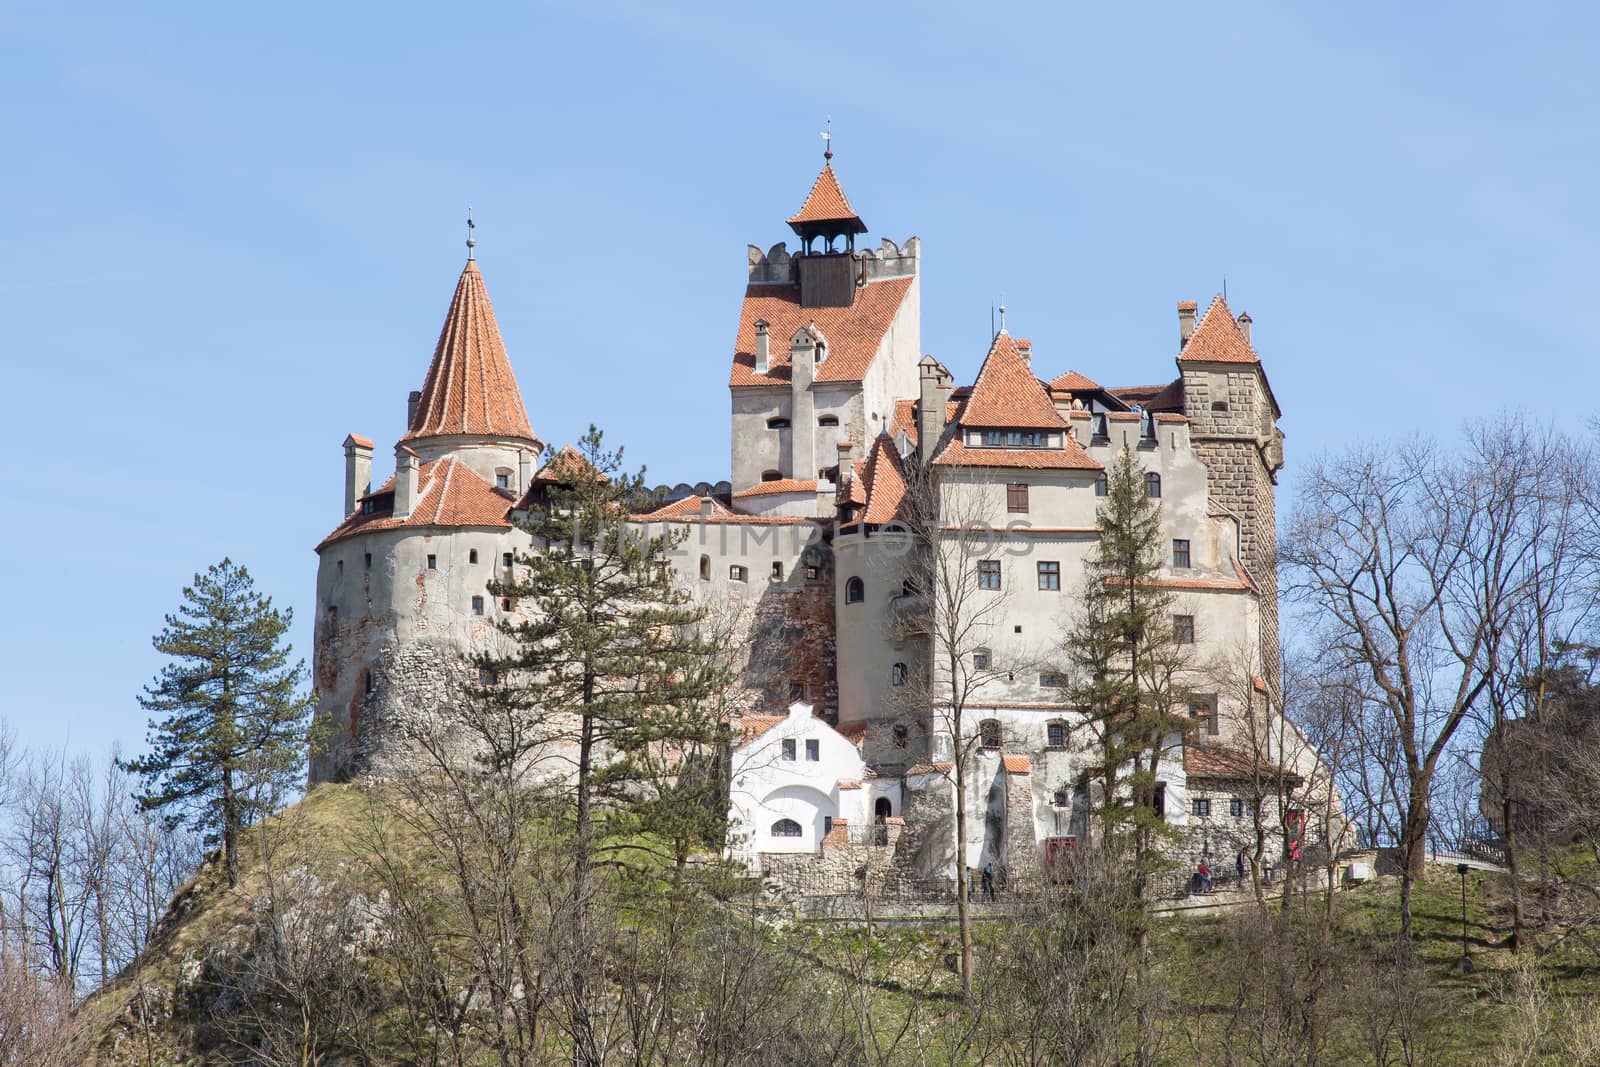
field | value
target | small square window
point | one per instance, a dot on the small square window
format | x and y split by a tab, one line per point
1236	807
1183	629
1180	553
1049	575
488	676
472	556
1200	806
813	750
477	605
505	560
502	480
980	660
797	691
433	562
777	570
788	748
811	572
738	573
988	574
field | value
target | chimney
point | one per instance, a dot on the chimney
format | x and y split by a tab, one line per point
1244	325
762	351
1186	313
524	470
935	381
405	481
357	471
411	407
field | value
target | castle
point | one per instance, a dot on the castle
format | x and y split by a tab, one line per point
836	415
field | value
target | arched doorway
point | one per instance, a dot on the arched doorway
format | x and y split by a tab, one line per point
881	810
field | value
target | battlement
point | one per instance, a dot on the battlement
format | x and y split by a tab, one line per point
776	266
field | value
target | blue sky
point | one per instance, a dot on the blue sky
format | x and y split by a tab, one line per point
231	232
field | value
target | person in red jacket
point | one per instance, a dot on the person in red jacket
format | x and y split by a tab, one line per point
1203	872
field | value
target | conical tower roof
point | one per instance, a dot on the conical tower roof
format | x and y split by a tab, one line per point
470	388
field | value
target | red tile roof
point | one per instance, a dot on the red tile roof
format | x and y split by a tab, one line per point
904	418
851	731
690	507
930	768
753	726
359	441
782	485
885	479
559	468
850	785
1217	339
1007	394
1016	764
853	333
470	388
1072	457
449	493
1073	382
1227	765
827	203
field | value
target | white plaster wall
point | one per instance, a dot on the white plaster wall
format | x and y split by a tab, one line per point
766	787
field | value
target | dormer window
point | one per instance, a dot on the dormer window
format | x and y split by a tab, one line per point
777	422
1017	439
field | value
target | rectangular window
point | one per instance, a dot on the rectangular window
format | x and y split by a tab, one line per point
488	676
737	573
811	572
1200	806
339	568
1161	800
1203	709
1052	680
369	561
980	660
1017	498
788	748
1183	629
505	560
433	562
1014	439
502	480
477	605
1050	575
797	691
472	556
1055	734
988	574
813	750
1236	807
777	571
1180	553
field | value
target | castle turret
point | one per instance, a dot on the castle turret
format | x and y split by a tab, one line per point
469	406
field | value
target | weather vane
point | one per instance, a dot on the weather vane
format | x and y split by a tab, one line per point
827	140
471	244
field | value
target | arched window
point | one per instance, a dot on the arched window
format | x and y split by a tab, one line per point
1100	485
855	591
989	733
827	420
777	422
897	674
771	476
785	828
705	568
882	808
1152	484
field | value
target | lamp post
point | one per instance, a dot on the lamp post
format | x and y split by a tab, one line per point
1466	960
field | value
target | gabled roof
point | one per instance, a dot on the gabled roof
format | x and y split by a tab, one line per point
826	203
449	493
904	417
1007	394
1073	382
853	333
753	726
885	478
470	388
1217	339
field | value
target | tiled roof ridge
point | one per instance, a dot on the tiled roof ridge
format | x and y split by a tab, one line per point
1006	392
470	387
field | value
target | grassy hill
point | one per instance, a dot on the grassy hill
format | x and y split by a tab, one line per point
1230	987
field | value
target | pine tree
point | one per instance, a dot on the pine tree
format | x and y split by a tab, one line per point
608	665
232	733
1129	662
